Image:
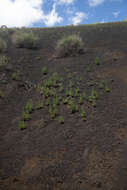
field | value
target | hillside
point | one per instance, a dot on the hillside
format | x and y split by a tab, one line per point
82	147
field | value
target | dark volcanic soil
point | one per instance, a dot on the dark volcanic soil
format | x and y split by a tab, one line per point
76	155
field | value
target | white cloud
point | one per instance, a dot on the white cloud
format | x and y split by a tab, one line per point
94	3
52	18
116	14
65	1
19	13
78	18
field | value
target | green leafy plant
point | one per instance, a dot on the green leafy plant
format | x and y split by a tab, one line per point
72	106
39	104
77	91
80	100
65	101
71	45
39	88
61	119
26	116
22	125
97	61
83	115
48	82
47	102
44	70
16	76
29	106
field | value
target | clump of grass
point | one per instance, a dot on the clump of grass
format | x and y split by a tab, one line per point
61	119
25	39
53	111
22	125
83	115
39	104
97	61
3	45
44	70
16	76
73	107
29	106
71	45
25	116
88	69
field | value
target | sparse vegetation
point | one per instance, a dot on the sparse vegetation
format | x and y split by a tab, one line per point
71	45
23	39
22	125
44	70
61	119
3	45
3	61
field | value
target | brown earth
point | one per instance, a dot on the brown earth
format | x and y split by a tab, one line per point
76	155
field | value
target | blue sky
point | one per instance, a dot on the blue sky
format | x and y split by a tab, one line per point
49	13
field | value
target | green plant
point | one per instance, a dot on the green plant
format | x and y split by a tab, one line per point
46	92
16	76
65	101
53	111
71	45
84	95
70	84
26	116
97	61
44	70
40	104
3	61
61	89
48	82
29	106
39	88
77	92
22	125
83	114
24	39
3	45
47	102
107	89
56	101
72	106
55	79
61	119
80	100
100	86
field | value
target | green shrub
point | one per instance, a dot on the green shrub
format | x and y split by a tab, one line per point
69	46
3	45
24	39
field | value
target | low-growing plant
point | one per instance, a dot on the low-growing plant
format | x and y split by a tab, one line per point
22	125
70	84
65	101
24	39
100	86
26	116
83	114
97	61
3	45
71	45
80	100
47	102
39	104
46	92
48	83
77	91
29	106
72	106
39	88
61	119
44	70
84	96
16	76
